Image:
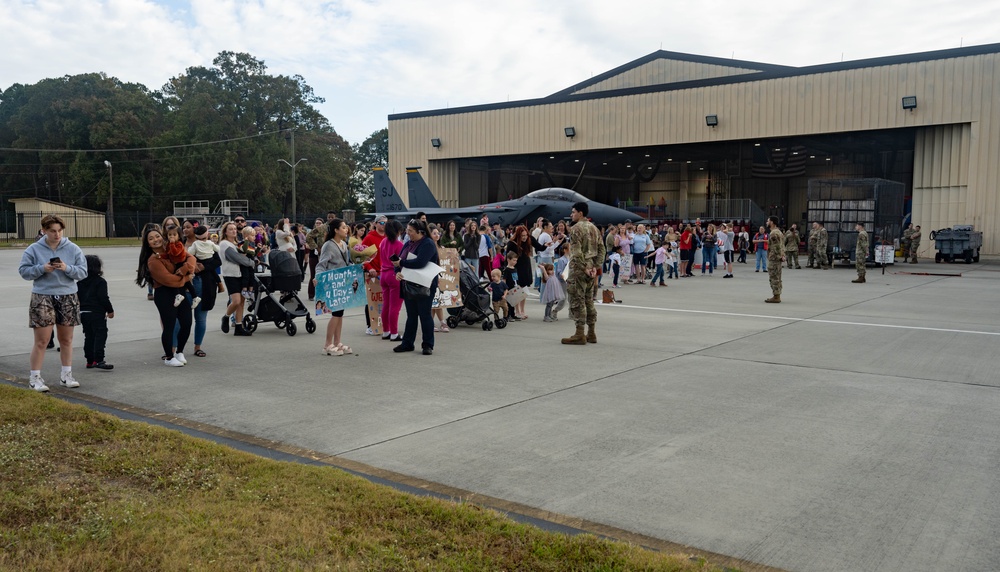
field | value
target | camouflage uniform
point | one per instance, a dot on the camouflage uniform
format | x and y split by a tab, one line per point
907	237
587	252
775	251
861	253
792	247
914	245
813	240
821	242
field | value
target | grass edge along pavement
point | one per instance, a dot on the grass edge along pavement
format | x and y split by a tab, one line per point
83	490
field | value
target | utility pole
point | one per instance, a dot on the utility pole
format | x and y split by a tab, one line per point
111	199
293	163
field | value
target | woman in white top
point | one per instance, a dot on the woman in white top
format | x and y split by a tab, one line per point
232	260
284	237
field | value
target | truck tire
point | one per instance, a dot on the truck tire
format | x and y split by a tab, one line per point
976	257
968	257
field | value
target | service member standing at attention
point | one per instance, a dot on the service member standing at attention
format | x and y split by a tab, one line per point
586	257
792	246
813	240
775	256
860	253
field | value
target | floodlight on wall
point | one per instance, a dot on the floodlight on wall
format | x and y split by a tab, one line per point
712	120
910	102
436	143
570	132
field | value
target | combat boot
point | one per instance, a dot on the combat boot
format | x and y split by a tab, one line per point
859	280
776	299
591	334
577	339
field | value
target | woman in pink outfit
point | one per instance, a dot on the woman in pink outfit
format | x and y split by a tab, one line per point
392	302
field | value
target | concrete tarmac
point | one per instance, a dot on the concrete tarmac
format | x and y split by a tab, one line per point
850	427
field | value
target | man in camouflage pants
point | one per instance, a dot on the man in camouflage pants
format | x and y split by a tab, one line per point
914	244
860	253
905	243
775	256
821	241
792	246
586	257
813	239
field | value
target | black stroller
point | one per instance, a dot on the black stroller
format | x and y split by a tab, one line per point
276	299
477	304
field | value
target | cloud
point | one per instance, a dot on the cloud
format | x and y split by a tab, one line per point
371	58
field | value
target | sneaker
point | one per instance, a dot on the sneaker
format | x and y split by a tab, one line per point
180	357
386	336
173	362
195	301
225	324
103	365
67	380
369	331
178	299
37	383
547	319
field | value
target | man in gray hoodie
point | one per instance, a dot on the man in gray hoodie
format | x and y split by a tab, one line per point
54	265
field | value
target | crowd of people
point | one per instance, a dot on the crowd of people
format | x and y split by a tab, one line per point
185	268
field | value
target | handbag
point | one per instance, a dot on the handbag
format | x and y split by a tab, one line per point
412	291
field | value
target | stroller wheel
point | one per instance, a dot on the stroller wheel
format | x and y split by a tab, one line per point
452	322
501	323
280	324
250	323
310	325
487	326
290	328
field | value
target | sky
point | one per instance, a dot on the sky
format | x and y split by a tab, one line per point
373	58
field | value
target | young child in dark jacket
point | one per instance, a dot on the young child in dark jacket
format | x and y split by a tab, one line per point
95	310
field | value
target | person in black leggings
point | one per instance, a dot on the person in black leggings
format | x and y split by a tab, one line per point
156	269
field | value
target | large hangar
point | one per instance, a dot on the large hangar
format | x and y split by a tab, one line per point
693	131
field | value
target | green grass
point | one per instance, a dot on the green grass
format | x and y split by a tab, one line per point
80	490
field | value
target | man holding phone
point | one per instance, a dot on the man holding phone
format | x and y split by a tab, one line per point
54	265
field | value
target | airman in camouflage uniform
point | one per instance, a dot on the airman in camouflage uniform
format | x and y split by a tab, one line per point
861	253
792	246
813	239
775	256
586	257
914	244
905	243
821	241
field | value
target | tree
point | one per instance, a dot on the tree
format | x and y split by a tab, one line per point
373	152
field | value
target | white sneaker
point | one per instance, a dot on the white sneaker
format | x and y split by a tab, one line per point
369	331
173	362
180	357
195	301
178	299
67	380
37	383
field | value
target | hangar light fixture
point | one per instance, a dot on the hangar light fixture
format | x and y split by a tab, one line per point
570	132
910	102
436	143
711	120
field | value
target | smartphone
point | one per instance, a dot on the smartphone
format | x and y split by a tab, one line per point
55	260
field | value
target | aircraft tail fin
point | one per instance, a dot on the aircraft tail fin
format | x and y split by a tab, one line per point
387	200
420	194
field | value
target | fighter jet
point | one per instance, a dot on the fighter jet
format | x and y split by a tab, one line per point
553	203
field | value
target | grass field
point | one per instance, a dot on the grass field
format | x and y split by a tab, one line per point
86	491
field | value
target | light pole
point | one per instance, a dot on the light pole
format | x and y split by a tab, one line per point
293	164
111	199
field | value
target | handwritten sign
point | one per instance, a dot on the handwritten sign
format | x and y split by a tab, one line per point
448	295
375	304
340	288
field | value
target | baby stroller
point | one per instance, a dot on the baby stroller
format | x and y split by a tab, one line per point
276	299
477	302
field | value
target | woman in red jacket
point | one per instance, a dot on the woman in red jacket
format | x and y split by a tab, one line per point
156	268
687	251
